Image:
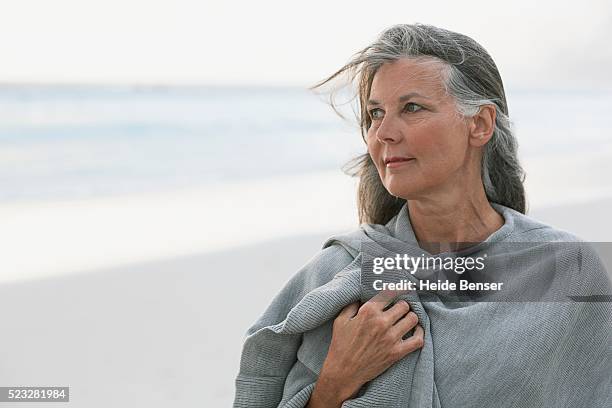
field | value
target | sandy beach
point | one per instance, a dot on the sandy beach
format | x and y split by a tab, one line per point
167	332
158	334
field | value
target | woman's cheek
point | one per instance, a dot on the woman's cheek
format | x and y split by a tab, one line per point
374	151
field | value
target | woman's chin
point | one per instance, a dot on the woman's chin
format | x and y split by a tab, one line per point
403	193
405	189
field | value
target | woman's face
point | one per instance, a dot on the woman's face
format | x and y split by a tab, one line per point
417	140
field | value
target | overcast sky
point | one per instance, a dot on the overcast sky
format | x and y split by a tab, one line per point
534	43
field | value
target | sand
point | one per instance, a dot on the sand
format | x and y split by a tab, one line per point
151	317
159	334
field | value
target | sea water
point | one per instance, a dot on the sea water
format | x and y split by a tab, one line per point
65	142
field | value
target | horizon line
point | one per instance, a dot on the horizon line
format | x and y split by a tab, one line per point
158	85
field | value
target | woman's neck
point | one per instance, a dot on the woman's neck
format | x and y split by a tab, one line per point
453	225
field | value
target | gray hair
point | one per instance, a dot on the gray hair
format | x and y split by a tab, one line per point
471	78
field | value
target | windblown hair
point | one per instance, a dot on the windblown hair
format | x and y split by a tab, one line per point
470	77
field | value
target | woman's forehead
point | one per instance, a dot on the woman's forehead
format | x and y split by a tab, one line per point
424	77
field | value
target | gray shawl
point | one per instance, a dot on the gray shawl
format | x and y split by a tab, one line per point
520	352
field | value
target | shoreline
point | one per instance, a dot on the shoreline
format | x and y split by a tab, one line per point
49	239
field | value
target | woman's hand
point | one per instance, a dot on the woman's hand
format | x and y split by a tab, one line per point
365	342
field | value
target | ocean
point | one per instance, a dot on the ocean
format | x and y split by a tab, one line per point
68	142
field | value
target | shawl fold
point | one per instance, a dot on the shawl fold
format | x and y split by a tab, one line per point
477	353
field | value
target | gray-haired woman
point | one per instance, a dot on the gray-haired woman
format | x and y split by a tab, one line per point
441	176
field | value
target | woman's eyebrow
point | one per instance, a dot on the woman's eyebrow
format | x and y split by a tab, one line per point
401	98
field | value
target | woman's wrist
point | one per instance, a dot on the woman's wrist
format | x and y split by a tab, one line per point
331	391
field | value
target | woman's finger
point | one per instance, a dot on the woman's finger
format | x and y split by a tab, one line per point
416	341
397	311
384	297
404	325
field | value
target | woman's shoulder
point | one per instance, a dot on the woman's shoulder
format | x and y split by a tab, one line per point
324	265
337	252
333	257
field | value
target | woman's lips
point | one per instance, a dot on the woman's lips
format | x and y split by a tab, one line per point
398	162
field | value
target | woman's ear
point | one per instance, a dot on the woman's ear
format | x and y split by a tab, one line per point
482	125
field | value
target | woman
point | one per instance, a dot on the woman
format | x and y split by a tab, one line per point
440	176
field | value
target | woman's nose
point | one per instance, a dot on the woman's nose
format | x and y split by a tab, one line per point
388	132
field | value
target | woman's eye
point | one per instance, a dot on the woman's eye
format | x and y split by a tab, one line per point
376	114
413	107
